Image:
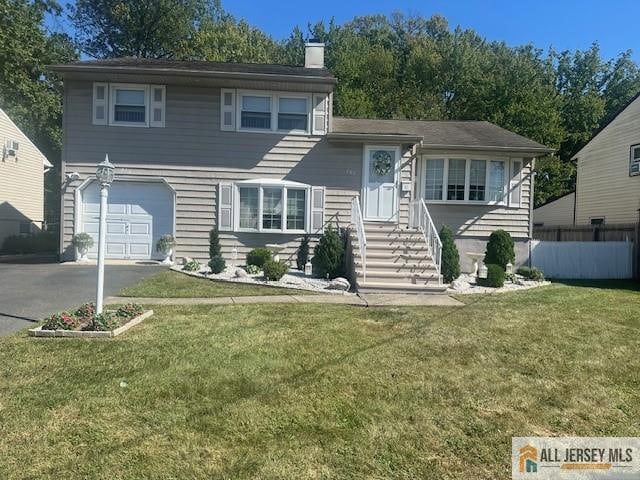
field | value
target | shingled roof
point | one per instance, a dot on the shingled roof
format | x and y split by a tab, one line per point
194	66
444	134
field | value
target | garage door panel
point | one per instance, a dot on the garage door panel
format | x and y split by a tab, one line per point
138	214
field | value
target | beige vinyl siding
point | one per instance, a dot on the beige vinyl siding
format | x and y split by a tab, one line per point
604	187
21	181
558	212
468	220
193	155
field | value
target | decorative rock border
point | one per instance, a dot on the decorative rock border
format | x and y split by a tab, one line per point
39	332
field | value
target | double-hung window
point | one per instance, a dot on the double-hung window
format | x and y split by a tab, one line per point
256	112
273	207
271	112
293	114
634	161
468	180
129	105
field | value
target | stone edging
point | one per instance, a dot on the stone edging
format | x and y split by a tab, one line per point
39	332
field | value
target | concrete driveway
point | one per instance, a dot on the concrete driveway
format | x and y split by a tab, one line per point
31	291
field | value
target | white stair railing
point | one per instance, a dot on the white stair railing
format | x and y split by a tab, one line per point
420	218
356	220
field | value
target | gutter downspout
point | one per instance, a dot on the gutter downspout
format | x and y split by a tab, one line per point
531	201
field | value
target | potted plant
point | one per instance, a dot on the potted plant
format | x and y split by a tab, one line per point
83	242
165	246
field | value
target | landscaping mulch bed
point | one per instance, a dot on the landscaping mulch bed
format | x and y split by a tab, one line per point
39	332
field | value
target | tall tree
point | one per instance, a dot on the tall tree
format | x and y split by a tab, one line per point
29	94
139	28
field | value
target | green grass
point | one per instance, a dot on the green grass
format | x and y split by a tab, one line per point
323	391
170	284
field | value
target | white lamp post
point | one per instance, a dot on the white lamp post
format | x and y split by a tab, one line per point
104	174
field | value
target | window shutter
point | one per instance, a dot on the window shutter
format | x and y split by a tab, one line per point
157	102
515	185
320	110
100	92
317	209
225	206
227	109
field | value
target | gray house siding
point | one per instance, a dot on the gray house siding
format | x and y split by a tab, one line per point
193	156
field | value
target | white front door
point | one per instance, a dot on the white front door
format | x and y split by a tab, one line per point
380	189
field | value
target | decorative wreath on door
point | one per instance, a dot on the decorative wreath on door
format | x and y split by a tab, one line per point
382	162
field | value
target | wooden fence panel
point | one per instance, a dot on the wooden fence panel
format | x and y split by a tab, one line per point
588	233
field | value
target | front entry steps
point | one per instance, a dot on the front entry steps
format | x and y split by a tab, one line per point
397	261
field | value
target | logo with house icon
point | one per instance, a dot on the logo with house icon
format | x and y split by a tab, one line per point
528	460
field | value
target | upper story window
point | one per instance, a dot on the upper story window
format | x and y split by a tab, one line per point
292	114
256	112
634	161
470	180
129	105
273	112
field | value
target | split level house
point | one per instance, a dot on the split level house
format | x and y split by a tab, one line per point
22	170
256	151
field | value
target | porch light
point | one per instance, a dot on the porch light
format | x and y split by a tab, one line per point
104	174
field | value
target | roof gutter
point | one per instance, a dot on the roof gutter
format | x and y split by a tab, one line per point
493	148
379	137
64	69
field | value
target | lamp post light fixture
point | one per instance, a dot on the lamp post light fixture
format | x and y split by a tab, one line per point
104	174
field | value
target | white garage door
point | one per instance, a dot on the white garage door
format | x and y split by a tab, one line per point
138	213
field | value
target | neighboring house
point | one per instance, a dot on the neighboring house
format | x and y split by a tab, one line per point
255	150
22	169
608	179
556	212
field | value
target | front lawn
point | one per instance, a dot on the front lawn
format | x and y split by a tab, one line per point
170	284
323	391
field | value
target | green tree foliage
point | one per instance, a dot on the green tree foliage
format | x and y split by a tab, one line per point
450	257
29	94
500	249
302	255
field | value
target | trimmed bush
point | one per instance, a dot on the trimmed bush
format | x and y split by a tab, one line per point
328	254
258	257
191	266
217	264
274	271
82	240
495	277
303	253
214	243
450	256
531	273
500	249
165	243
43	242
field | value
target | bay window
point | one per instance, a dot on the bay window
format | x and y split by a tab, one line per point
470	180
273	206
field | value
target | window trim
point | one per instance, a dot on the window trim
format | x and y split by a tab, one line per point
633	147
591	219
467	158
285	186
112	103
275	106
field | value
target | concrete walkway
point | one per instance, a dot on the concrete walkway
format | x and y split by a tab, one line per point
365	300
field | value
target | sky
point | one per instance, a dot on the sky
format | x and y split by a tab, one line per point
561	24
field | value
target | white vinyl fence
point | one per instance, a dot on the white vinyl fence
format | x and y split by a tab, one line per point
583	260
